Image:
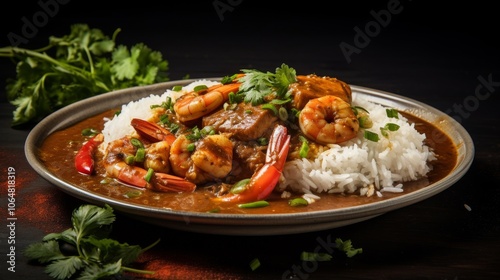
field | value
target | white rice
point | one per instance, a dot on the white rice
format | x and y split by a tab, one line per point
364	166
120	126
356	166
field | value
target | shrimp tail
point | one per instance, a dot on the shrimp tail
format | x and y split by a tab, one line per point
135	177
169	183
151	131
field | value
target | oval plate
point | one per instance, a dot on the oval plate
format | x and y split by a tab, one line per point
247	224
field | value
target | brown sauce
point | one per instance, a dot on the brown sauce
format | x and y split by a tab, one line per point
59	149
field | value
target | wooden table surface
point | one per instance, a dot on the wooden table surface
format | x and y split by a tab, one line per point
440	55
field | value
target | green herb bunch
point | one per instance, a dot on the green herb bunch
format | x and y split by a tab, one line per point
82	64
85	251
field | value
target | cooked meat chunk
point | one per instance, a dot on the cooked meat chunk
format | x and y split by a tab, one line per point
245	122
250	156
312	86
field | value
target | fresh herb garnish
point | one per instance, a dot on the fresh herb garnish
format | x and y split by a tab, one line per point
372	136
254	264
392	113
304	147
94	255
255	204
82	64
258	85
344	246
298	201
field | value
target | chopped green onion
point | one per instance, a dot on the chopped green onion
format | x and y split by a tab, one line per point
346	246
149	175
214	210
392	113
304	148
319	257
280	101
228	106
195	134
365	122
105	181
283	114
262	141
132	194
248	112
173	127
299	201
239	186
356	110
392	126
254	264
164	119
232	98
140	155
372	136
207	130
228	79
200	88
255	204
89	132
177	88
165	104
130	160
384	132
136	143
270	107
388	127
191	147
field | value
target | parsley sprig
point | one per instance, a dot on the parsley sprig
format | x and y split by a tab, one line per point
94	255
82	64
257	85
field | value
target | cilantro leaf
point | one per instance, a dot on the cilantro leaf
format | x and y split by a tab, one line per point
88	218
78	65
94	271
347	247
257	85
111	250
64	268
44	251
95	257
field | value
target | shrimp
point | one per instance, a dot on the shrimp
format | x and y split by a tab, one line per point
214	155
207	159
328	120
180	155
194	105
151	131
265	179
157	157
133	174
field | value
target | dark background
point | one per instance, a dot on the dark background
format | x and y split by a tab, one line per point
264	34
432	52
